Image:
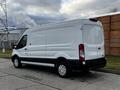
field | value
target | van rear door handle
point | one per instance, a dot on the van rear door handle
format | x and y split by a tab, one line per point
99	48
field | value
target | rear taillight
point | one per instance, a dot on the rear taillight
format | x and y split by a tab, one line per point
81	52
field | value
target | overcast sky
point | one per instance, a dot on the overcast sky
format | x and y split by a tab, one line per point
59	8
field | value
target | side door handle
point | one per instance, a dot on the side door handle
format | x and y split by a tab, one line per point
25	49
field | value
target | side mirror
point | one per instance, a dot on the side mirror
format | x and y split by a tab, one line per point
13	46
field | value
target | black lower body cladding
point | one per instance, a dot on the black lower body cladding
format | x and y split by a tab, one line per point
74	64
89	64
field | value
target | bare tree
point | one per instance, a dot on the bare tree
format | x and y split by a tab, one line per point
4	22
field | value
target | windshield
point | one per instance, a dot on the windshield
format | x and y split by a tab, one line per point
22	43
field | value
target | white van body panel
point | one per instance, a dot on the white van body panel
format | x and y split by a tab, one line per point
54	41
36	44
63	41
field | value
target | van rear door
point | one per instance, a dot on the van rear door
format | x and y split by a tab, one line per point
93	41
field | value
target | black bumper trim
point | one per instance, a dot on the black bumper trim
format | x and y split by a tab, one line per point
89	64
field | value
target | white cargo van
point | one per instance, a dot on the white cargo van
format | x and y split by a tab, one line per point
69	45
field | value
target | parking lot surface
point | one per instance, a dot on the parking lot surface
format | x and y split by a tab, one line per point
43	78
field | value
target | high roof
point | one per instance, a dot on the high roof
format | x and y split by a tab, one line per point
109	14
61	24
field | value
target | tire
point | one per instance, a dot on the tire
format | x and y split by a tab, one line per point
17	62
63	70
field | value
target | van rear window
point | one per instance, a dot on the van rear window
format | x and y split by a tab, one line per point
93	34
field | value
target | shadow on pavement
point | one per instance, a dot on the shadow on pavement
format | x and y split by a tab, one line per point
74	76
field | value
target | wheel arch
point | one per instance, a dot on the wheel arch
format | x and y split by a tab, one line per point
14	56
62	60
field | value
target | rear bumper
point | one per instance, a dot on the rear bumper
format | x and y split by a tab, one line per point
89	64
96	63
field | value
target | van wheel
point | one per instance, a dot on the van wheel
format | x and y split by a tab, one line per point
63	70
17	62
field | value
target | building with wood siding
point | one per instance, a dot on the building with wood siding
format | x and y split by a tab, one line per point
111	25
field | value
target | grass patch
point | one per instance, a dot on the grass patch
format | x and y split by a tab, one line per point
113	62
7	54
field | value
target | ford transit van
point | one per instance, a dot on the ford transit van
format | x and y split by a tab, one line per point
66	46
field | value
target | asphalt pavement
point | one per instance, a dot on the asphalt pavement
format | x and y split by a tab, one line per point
44	78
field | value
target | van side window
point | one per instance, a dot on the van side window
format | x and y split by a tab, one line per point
22	43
